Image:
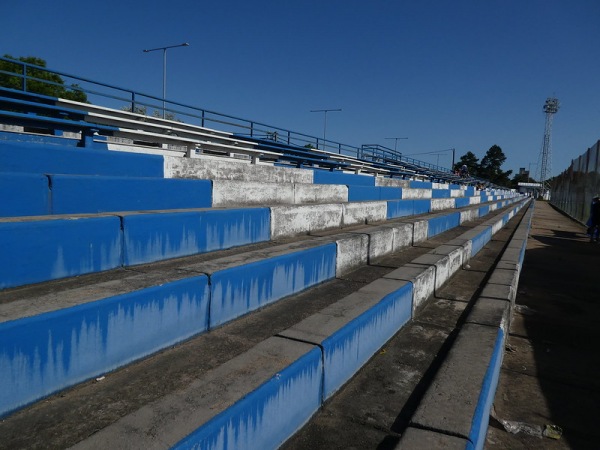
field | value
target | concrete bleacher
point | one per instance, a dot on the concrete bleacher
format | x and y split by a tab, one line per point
110	256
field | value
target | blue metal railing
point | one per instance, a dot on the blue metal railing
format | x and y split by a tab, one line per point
111	96
103	94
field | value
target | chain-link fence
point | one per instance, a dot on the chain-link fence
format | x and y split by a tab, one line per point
572	191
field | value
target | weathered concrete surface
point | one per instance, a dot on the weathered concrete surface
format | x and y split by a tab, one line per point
415	193
287	221
59	419
422	278
364	212
417	438
164	423
319	193
550	375
374	409
391	182
491	312
450	402
440	204
247	193
230	169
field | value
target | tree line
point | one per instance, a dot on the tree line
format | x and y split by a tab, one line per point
39	81
490	168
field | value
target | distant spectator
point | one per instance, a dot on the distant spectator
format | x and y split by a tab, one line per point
594	220
464	171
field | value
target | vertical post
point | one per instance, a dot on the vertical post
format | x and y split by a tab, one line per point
24	79
325	111
164	80
164	49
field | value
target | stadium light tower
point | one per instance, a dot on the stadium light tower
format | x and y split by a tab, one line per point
545	159
164	49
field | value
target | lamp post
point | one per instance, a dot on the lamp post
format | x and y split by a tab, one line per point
396	141
164	49
325	111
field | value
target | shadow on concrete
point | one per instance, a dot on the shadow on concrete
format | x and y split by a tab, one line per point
551	373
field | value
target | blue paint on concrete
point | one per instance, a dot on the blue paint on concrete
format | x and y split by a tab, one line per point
43	354
269	415
400	208
484	210
390	193
36	251
154	237
461	202
373	193
422	206
363	193
443	223
420	184
480	240
239	290
349	179
480	420
73	194
346	350
440	193
24	194
39	158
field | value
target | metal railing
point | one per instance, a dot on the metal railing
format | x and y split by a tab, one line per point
37	79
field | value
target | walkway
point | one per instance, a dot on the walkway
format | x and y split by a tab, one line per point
551	371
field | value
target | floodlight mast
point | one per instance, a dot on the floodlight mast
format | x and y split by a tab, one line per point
545	160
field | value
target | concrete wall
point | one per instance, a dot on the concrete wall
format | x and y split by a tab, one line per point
35	251
36	158
73	194
24	194
209	168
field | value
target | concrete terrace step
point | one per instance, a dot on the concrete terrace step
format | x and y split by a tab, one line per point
305	356
45	248
430	386
32	194
202	284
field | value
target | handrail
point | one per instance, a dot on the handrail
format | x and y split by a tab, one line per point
119	97
112	96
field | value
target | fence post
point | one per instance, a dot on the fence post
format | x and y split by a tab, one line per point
24	79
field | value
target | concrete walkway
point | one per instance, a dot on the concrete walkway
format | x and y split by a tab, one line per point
551	370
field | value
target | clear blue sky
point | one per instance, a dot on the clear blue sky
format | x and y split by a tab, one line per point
466	74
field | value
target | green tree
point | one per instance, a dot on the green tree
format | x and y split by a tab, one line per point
490	167
39	80
519	178
471	161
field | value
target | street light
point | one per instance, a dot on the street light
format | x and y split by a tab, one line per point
396	141
325	111
164	49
